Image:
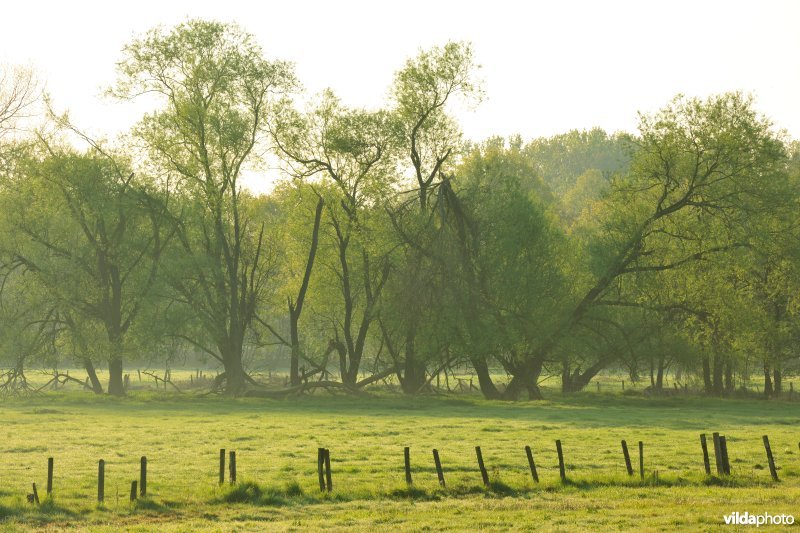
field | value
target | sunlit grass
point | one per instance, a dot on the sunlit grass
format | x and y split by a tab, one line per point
276	444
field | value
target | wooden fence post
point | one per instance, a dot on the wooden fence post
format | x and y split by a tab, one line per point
49	476
627	455
438	464
726	465
531	464
101	481
718	453
232	466
133	490
143	477
35	495
641	460
407	462
321	468
706	462
328	476
561	470
221	466
484	473
772	470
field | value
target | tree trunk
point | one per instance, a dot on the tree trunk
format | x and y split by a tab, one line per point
718	388
709	388
234	374
413	379
525	377
488	388
97	387
660	374
294	363
767	381
729	384
777	386
115	386
295	308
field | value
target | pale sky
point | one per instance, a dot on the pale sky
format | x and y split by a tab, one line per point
547	66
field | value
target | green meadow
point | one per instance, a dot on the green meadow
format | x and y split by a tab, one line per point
276	445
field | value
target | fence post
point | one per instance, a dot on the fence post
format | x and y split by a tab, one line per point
718	453
726	465
321	468
407	462
561	469
328	476
221	466
704	445
438	464
232	466
627	455
484	474
641	460
49	476
772	470
101	481
531	464
133	490
143	477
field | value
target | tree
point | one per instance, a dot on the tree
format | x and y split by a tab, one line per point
217	92
90	233
429	142
702	168
353	153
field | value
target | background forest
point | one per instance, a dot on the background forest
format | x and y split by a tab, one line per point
391	249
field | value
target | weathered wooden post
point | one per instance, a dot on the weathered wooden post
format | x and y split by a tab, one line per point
641	460
772	470
35	494
328	475
531	464
438	464
232	466
101	481
221	466
133	490
704	445
718	453
561	470
407	462
49	476
321	468
143	477
627	455
726	465
484	473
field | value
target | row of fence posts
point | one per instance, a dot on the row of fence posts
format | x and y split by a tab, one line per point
722	463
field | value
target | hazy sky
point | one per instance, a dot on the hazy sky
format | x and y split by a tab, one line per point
548	66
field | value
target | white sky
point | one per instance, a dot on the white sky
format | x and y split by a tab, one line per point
547	66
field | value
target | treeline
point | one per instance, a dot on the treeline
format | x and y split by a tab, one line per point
391	247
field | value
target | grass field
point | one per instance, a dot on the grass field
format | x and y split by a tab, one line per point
276	444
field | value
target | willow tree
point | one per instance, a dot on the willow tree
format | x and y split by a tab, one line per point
353	154
90	233
216	92
702	172
430	141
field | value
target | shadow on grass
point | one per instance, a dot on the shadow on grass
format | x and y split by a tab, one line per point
255	494
45	512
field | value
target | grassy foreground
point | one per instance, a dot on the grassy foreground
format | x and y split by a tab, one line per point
276	444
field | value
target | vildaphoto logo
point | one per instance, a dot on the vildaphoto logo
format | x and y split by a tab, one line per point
763	519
